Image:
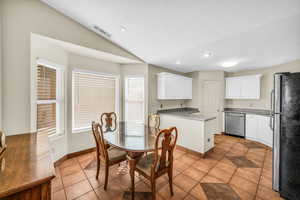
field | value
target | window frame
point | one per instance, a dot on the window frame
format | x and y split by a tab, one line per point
126	97
117	96
59	101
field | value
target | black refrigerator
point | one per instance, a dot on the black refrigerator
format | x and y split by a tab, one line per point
285	122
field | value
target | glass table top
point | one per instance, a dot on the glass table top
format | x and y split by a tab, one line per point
131	136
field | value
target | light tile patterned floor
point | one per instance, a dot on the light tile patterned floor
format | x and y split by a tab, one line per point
236	169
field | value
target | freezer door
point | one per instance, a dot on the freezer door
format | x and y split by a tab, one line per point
290	137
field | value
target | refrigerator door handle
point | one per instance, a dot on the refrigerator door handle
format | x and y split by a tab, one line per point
272	111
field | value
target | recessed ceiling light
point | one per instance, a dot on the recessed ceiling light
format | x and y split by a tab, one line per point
123	29
207	54
178	62
229	63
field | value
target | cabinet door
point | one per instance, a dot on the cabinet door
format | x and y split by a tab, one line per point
265	133
187	88
251	127
170	87
250	87
233	88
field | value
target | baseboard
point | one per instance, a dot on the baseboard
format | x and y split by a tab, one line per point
72	155
189	151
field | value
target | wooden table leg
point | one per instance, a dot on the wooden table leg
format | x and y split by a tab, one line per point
133	157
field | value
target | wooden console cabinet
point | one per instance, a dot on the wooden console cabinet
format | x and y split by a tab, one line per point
26	169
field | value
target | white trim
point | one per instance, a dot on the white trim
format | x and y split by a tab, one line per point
60	94
81	130
83	71
125	96
49	64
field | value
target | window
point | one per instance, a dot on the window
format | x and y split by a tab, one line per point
49	93
93	94
134	99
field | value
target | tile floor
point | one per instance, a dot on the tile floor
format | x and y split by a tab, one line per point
236	169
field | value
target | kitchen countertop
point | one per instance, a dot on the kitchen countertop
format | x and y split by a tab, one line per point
248	111
187	113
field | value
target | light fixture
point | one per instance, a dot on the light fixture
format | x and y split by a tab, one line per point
229	63
123	29
178	62
207	54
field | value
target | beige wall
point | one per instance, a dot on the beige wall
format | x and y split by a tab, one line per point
20	19
46	51
155	104
135	70
85	140
266	85
198	86
199	79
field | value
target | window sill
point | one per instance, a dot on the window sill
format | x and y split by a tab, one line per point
56	136
81	130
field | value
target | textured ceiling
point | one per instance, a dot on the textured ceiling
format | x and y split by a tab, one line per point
254	33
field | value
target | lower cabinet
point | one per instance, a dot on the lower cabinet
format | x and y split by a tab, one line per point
257	129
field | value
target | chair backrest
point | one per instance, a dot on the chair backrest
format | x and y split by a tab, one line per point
154	121
99	139
168	138
108	121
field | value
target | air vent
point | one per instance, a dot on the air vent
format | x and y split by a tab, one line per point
102	32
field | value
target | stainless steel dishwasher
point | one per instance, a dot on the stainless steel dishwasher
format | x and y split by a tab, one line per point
235	124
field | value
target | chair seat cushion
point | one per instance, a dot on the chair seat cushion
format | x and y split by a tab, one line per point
115	154
145	163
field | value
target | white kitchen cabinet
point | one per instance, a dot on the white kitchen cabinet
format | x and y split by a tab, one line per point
257	129
243	87
233	88
173	86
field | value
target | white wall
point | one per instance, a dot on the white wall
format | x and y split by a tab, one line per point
40	49
266	85
154	103
135	70
85	140
20	19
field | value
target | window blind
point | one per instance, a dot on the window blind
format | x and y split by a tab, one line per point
93	95
46	100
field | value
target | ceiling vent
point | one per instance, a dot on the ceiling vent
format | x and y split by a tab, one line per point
102	32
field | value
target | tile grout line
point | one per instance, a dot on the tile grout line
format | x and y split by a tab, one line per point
260	174
83	180
209	171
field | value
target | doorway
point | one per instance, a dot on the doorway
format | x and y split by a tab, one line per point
212	101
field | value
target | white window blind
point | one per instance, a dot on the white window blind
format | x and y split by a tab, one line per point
93	94
46	100
134	99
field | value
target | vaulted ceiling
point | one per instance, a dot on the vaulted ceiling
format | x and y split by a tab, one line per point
178	34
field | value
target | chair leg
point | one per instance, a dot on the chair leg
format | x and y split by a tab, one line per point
106	176
170	174
98	168
153	189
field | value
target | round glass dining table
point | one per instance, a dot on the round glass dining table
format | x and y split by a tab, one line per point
135	139
131	137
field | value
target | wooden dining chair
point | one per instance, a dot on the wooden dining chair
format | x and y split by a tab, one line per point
108	121
154	165
109	156
154	121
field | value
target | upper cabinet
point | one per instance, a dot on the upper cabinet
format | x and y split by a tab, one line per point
173	86
243	87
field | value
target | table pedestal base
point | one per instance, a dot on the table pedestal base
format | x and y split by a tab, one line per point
137	195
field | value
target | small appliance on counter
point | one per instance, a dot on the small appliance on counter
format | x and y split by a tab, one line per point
285	123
